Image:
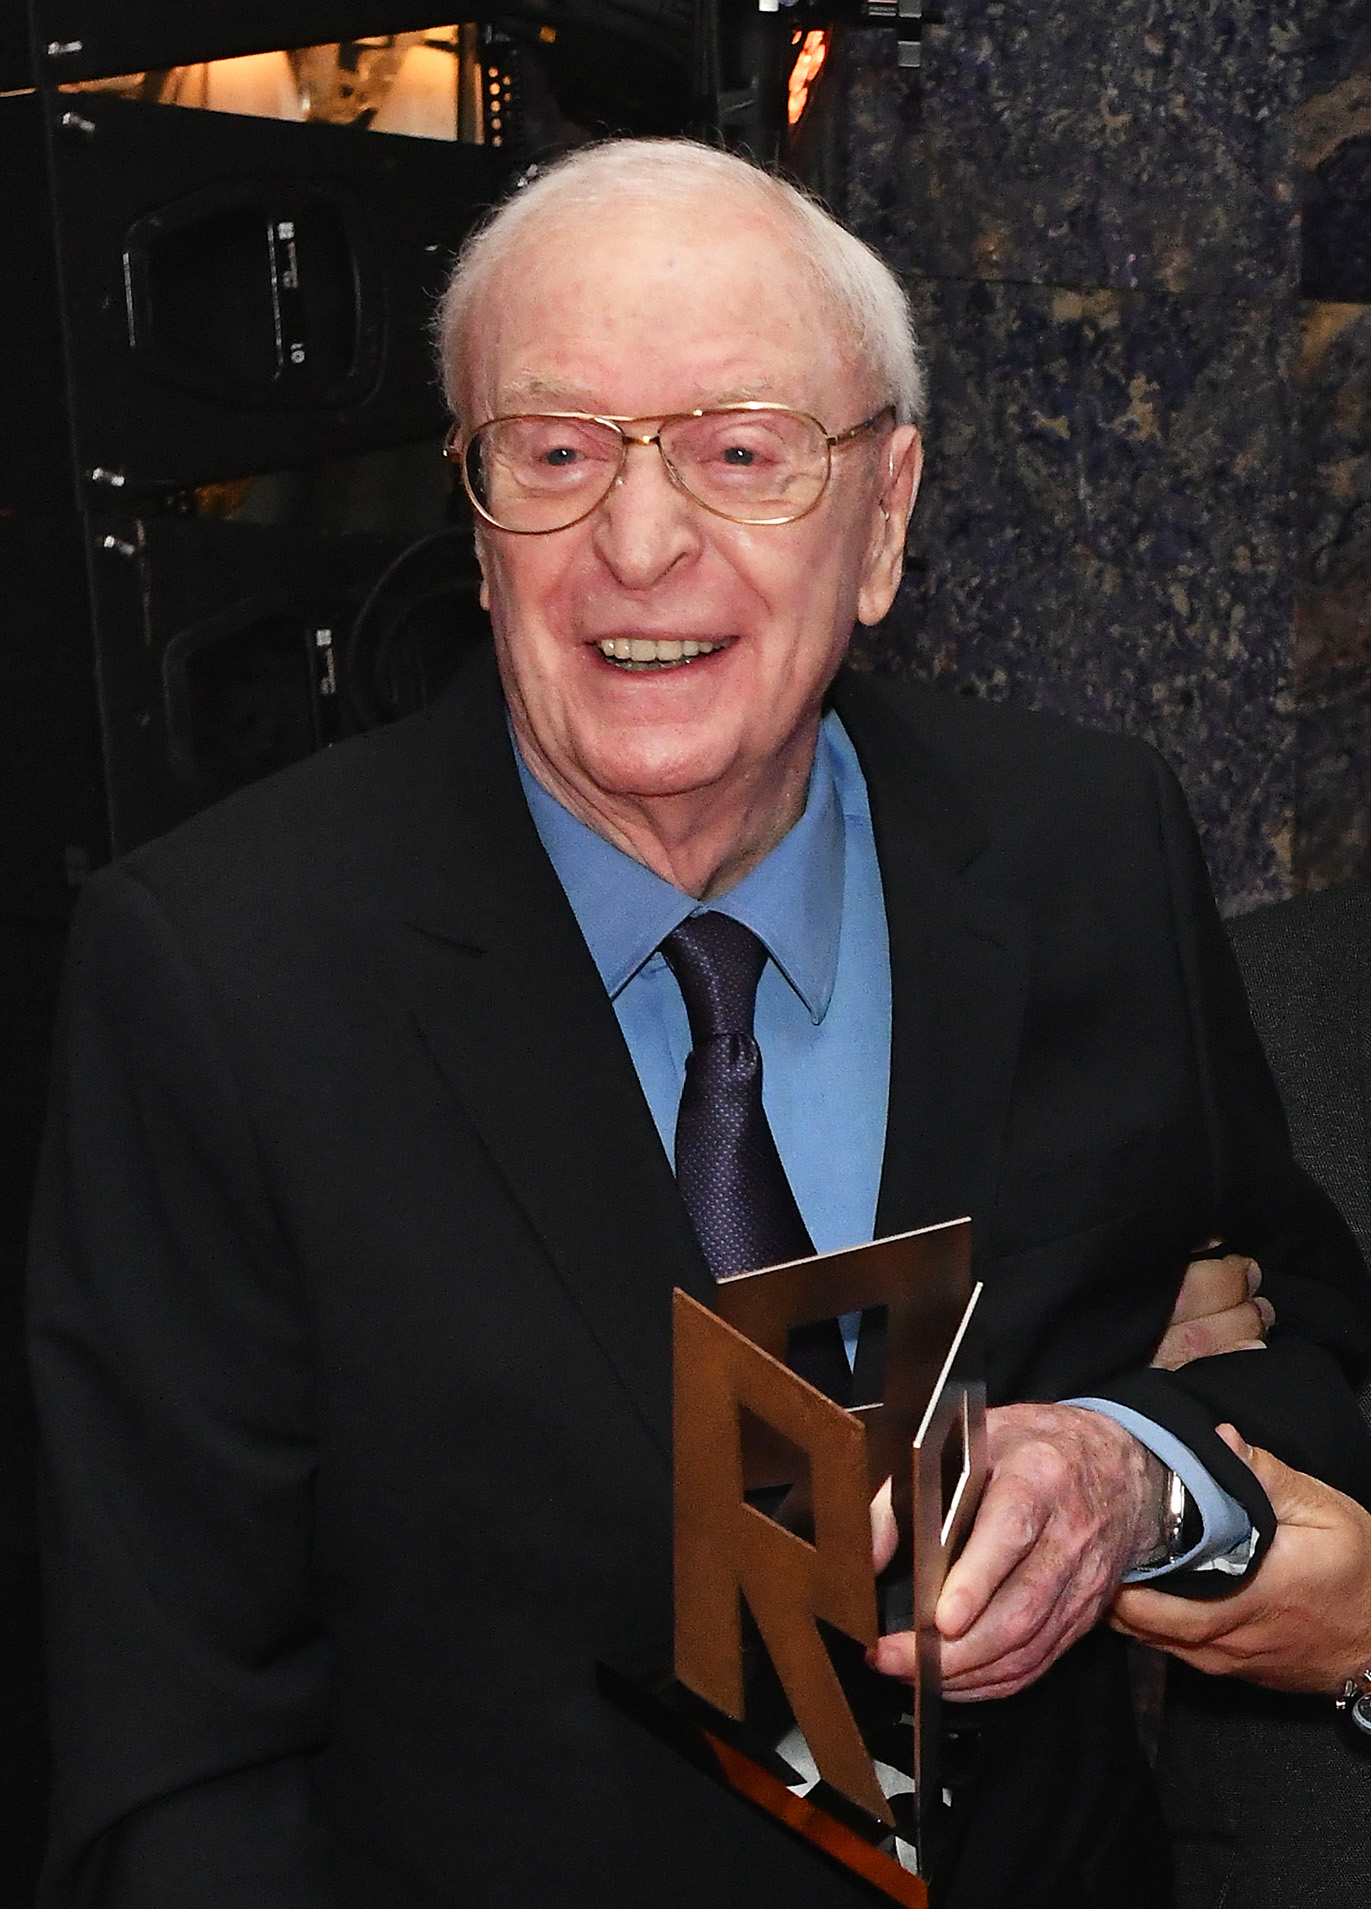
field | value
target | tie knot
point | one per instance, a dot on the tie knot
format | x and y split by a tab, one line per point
717	963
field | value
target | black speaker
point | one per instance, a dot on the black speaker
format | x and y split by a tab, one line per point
226	650
242	295
89	39
420	621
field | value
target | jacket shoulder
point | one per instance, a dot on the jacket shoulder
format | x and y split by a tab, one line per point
979	735
361	818
1024	774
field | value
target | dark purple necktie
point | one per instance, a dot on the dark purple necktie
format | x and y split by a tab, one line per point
727	1167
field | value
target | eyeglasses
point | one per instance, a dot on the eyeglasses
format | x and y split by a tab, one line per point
752	463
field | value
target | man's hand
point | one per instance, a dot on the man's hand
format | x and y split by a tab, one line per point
1216	1310
1071	1503
1304	1622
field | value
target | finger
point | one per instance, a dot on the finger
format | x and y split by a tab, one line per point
1234	1440
1154	1617
1224	1644
1027	1660
1296	1498
1215	1660
1212	1285
1266	1312
884	1530
1008	1525
1049	1600
1212	1333
1002	1679
985	1693
896	1655
1017	1627
1015	1642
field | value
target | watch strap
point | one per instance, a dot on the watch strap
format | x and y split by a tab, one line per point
1171	1538
1354	1703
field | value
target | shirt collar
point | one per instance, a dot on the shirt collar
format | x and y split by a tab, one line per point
792	901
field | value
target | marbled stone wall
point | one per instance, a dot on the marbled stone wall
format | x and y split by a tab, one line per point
1332	639
1148	498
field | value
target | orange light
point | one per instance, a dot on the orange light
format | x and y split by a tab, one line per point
805	71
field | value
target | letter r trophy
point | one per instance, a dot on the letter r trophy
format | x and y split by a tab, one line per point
776	1599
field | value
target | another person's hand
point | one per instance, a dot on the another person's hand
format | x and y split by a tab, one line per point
1072	1501
1304	1621
1071	1504
1217	1310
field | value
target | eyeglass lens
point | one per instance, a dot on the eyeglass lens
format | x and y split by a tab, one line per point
542	473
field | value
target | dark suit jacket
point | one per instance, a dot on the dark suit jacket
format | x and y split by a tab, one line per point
351	1318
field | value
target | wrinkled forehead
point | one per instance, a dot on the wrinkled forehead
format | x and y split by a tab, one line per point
725	289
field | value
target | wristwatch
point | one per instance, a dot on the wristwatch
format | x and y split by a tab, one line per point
1169	1545
1355	1701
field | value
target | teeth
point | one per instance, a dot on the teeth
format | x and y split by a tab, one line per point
646	652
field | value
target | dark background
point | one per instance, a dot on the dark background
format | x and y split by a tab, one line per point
1138	238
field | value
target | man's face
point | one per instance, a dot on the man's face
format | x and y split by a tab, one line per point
635	317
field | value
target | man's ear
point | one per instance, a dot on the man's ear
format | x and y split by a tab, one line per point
903	462
480	543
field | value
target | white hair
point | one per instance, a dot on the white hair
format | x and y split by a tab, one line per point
863	297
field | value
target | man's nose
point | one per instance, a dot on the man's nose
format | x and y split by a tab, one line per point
647	524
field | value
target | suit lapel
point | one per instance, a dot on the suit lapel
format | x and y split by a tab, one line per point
959	946
510	1005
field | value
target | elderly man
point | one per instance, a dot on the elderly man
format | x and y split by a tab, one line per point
359	1225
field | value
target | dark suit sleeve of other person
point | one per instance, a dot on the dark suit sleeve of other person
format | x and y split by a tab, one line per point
178	1416
1298	1393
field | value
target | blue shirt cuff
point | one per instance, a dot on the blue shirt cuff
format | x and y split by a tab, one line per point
1226	1535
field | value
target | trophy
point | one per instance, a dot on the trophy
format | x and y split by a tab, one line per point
776	1599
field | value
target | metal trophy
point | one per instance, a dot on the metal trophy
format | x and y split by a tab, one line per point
776	1599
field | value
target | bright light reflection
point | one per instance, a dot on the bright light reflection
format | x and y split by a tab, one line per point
805	71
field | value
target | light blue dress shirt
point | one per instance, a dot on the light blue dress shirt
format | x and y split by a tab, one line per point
823	1003
822	1022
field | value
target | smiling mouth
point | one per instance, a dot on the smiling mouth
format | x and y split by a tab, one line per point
656	653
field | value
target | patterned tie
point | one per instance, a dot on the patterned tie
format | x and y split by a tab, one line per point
727	1167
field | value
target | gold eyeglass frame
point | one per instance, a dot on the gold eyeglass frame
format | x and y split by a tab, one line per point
458	443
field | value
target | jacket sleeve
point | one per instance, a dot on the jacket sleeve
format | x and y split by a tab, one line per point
1297	1397
174	1385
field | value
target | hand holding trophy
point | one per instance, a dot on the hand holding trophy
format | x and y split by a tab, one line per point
779	1607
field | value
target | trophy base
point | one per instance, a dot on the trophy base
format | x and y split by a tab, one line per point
751	1764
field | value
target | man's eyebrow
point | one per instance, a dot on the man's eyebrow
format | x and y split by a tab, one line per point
757	390
531	390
